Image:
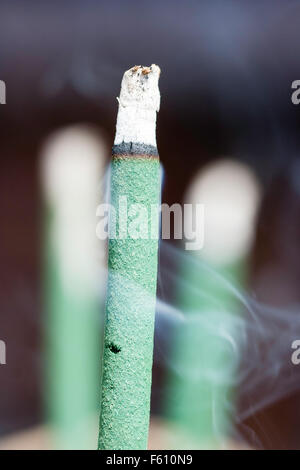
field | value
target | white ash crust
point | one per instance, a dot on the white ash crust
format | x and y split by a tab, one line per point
139	103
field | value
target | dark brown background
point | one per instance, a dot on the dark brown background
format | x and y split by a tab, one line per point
227	69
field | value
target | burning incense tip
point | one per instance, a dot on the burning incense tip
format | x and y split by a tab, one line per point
139	102
140	87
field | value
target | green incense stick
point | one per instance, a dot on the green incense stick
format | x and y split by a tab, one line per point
71	167
132	262
201	390
203	401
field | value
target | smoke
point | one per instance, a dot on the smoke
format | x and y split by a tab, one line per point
254	340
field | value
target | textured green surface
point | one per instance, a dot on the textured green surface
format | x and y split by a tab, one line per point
72	335
201	390
130	311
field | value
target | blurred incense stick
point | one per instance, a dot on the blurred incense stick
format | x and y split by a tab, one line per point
202	400
72	167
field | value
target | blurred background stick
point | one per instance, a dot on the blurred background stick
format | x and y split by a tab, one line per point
131	296
72	164
205	347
